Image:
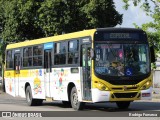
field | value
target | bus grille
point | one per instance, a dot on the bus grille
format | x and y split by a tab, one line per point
125	95
128	88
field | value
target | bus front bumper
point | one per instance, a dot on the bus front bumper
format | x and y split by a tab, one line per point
104	96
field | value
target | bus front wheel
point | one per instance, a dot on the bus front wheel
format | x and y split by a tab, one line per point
76	105
123	104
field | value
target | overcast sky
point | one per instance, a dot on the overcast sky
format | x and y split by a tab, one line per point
132	15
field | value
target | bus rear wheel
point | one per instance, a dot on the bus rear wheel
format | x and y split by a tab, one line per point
123	104
76	105
29	98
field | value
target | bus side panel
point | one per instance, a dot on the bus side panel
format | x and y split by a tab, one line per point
35	77
10	82
22	87
61	78
38	83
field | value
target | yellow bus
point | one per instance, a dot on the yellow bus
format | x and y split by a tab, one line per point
90	66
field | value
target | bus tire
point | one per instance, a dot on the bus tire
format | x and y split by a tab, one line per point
29	97
123	104
76	105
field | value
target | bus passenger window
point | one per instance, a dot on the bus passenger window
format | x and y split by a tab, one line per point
9	60
60	53
60	59
35	50
25	62
73	55
35	61
29	51
29	61
27	57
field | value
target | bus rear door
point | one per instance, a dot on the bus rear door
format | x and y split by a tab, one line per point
47	68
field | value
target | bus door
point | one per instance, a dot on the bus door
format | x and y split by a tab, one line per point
86	68
17	63
47	71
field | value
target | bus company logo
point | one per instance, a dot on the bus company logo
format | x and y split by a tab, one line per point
6	114
124	88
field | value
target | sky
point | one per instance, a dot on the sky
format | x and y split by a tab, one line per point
132	15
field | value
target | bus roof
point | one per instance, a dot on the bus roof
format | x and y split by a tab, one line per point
69	36
111	29
52	39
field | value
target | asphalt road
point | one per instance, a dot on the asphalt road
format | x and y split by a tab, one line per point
9	103
97	111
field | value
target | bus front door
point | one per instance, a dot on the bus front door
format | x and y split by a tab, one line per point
17	63
47	72
86	67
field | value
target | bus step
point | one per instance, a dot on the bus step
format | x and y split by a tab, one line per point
49	99
89	101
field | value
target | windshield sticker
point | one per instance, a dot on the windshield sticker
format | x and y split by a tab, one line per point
101	70
129	71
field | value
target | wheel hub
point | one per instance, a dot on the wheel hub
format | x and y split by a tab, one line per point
75	99
28	97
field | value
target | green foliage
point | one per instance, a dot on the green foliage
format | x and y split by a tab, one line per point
101	13
52	17
152	28
30	19
144	4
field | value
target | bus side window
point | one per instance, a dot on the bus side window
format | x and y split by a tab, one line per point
60	53
37	55
73	52
9	59
27	57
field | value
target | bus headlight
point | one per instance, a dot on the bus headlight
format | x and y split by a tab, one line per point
101	86
146	85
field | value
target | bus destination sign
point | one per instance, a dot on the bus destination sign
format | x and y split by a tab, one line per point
119	35
112	36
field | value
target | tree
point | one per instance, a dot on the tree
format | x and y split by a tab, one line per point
101	13
22	20
152	28
68	16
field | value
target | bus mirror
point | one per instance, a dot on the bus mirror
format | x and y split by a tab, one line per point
153	59
92	54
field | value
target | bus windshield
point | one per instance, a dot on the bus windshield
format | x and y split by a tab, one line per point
121	59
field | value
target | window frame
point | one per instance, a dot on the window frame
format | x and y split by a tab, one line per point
67	54
74	52
10	59
32	56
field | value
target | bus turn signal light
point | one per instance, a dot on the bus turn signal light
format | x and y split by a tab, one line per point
101	86
146	85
